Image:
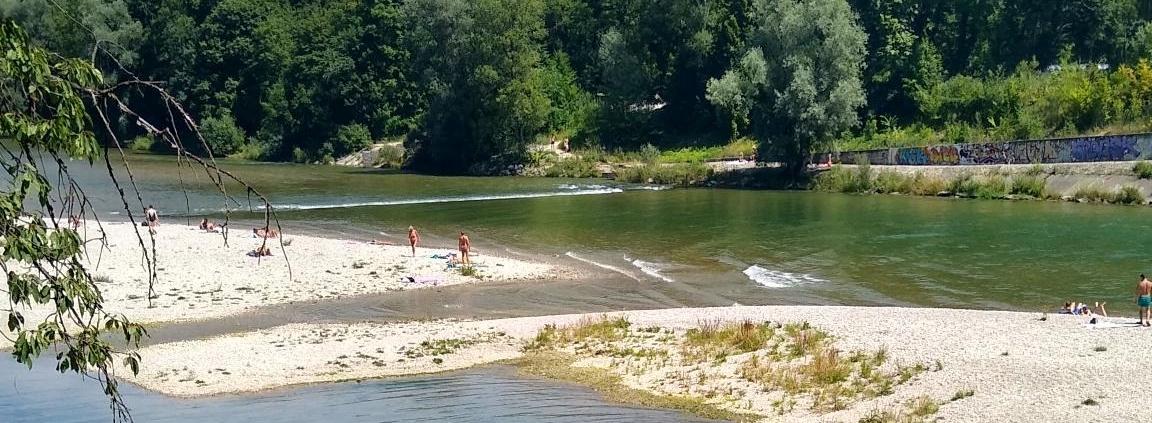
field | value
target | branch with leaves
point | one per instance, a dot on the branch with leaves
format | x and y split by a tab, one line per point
47	107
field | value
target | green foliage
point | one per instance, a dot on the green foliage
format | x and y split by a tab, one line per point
815	95
221	134
351	138
987	188
473	81
574	167
1129	194
572	109
487	103
680	174
1143	170
71	27
1029	185
143	144
739	148
841	179
42	112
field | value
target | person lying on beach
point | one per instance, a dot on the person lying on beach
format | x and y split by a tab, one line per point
261	251
265	232
379	242
208	226
1081	309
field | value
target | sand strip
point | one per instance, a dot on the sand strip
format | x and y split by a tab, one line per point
1020	368
198	277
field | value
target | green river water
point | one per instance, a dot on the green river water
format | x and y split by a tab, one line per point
712	246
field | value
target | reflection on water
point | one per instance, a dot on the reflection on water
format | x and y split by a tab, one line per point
483	395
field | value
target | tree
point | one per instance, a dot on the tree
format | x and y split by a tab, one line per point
73	27
799	84
480	60
48	106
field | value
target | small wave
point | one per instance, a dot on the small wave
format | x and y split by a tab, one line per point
654	187
778	279
651	269
584	187
603	266
449	199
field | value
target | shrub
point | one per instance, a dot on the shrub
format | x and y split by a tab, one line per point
963	394
888	182
1028	185
691	155
221	134
991	187
923	406
837	179
682	174
250	151
573	167
390	156
1128	194
924	185
143	144
740	147
350	139
1091	193
298	155
1143	170
649	154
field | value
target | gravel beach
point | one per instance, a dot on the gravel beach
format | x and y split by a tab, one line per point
1019	367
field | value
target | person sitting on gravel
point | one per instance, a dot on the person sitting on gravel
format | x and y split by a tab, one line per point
209	226
261	251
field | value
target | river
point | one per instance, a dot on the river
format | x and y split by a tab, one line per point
711	246
654	248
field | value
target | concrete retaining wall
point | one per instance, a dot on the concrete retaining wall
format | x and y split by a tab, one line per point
1110	148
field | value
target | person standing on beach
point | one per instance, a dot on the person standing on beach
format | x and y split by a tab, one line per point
1144	300
465	246
413	238
152	218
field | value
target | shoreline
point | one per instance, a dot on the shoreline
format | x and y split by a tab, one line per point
201	278
996	354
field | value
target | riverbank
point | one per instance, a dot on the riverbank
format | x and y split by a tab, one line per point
972	365
199	276
1106	182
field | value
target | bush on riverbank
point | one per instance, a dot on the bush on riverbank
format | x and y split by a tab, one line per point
1030	185
681	174
1128	194
738	148
988	188
1143	170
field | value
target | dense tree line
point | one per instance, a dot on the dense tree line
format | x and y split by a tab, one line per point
469	83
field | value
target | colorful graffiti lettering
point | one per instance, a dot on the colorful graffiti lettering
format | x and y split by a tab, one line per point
1088	149
943	155
1105	149
914	156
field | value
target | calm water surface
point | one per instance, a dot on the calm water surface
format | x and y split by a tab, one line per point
483	396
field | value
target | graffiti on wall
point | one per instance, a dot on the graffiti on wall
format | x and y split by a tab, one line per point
1109	148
